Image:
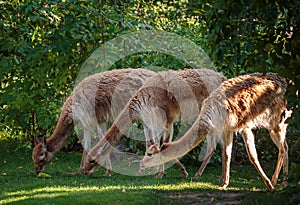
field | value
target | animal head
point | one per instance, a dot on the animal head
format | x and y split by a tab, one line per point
91	165
96	157
153	156
40	155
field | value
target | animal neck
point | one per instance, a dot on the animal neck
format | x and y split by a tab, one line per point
112	136
118	128
196	134
61	133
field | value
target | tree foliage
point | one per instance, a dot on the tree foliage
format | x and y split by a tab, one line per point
44	44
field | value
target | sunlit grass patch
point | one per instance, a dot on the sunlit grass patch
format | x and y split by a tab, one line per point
52	192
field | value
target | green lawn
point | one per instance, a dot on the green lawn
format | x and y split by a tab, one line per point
19	185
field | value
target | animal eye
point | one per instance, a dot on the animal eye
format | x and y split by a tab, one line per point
149	155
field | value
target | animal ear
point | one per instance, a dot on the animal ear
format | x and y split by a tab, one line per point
152	141
164	146
155	148
44	142
36	140
103	149
285	115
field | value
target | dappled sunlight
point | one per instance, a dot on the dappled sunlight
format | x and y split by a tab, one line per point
180	186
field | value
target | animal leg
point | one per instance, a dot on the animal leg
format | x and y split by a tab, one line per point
161	172
203	165
182	168
252	154
108	166
101	130
278	137
211	147
86	145
82	163
285	166
149	141
167	137
226	158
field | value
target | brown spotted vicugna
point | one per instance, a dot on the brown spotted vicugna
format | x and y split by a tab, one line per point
239	105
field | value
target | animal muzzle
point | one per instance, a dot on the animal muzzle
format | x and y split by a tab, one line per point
39	170
143	164
88	173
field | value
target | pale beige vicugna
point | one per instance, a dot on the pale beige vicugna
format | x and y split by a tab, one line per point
90	106
164	98
239	105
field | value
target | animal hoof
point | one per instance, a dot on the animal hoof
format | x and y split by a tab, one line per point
223	187
107	173
140	172
159	176
185	175
284	184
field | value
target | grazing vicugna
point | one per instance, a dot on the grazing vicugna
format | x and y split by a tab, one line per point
164	98
239	105
92	104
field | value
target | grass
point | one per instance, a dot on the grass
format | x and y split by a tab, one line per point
19	185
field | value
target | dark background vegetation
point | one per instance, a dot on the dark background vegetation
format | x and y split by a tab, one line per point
43	45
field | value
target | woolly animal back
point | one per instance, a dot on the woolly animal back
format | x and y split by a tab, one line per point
100	97
173	95
189	88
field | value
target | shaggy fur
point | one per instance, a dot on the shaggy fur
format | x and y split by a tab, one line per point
165	98
92	104
239	105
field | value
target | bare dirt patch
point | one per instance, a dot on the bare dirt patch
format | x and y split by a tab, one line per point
224	198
